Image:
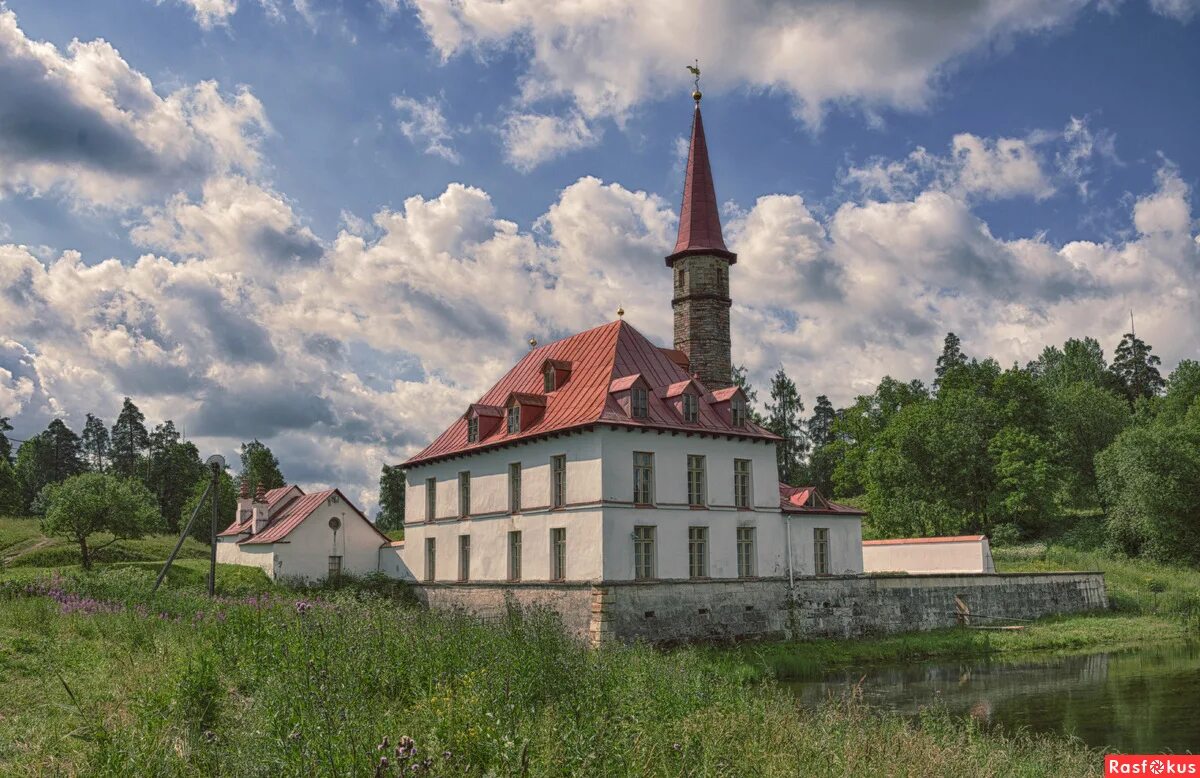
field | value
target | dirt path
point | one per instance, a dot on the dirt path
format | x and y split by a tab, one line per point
12	553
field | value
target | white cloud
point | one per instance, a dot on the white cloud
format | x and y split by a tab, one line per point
210	13
95	129
1083	146
424	123
531	138
1179	10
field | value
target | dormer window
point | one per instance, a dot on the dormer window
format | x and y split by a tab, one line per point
737	410
639	402
473	430
691	407
548	379
514	419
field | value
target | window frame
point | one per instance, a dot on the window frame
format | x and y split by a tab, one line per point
430	559
747	552
558	481
639	402
464	557
548	383
645	556
643	476
464	494
473	430
514	487
558	553
737	412
697	478
335	567
822	560
431	498
514	555
513	419
698	551
743	484
690	407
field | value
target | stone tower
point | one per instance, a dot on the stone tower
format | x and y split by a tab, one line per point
701	263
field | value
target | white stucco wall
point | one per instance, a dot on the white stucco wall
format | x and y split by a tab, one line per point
920	555
845	543
391	562
262	557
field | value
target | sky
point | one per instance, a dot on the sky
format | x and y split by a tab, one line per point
332	224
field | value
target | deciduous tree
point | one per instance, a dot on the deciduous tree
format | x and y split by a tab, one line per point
260	467
391	498
91	503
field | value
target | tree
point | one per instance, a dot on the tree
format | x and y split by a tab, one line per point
820	424
1025	480
1136	366
784	419
740	380
1085	420
822	458
5	444
260	467
856	428
129	440
95	443
227	498
173	468
11	502
391	498
1077	361
52	455
951	357
1183	387
90	503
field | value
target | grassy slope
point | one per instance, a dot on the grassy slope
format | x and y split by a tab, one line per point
22	544
246	689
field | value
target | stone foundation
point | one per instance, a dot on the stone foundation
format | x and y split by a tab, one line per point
835	607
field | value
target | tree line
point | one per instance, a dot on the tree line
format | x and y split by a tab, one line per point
1067	443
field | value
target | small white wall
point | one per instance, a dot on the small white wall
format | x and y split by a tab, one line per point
928	555
305	552
391	563
262	557
845	543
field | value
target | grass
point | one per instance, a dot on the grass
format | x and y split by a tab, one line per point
102	678
22	544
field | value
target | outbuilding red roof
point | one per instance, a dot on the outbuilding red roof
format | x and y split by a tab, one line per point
904	541
290	514
599	357
272	497
699	219
806	499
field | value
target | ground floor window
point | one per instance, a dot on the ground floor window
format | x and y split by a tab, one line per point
335	566
745	552
821	551
698	552
514	556
643	552
430	559
464	557
558	554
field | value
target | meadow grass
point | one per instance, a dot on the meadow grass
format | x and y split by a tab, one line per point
103	678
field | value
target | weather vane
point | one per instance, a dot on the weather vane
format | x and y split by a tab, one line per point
695	71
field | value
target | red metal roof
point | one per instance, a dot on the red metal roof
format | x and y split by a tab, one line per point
899	541
297	511
795	499
699	219
599	356
272	497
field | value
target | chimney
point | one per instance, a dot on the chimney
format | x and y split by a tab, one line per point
244	504
259	510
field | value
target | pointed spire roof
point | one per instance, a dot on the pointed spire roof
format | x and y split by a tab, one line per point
699	219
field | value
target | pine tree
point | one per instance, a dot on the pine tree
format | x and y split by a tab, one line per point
95	443
49	457
129	440
820	424
391	498
260	467
174	467
784	419
5	444
952	357
1136	366
740	380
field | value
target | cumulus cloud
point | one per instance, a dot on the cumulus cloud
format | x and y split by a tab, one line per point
86	124
210	13
533	138
1179	10
423	123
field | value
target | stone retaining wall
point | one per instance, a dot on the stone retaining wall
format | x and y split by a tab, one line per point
836	607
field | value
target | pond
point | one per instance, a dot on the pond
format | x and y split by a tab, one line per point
1143	702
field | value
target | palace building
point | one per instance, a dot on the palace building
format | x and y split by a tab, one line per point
603	457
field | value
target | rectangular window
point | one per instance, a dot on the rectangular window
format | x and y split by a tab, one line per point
430	559
548	379
821	551
698	552
643	552
472	430
464	557
464	495
745	552
697	495
639	403
558	481
558	554
741	483
430	499
514	419
738	411
514	487
691	407
643	478
335	567
514	556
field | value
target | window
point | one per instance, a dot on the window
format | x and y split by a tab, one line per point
695	480
514	556
335	567
514	487
737	411
464	557
639	403
691	407
643	478
821	551
745	552
643	552
548	379
558	481
473	430
464	495
698	552
430	499
430	559
741	483
514	419
558	554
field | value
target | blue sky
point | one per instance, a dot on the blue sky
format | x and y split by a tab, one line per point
331	225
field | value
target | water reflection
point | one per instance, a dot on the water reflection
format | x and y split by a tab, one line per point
1145	701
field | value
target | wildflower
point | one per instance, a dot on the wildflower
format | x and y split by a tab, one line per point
446	755
210	736
303	607
676	746
383	744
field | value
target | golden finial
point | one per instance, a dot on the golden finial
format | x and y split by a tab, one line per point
533	343
620	313
695	71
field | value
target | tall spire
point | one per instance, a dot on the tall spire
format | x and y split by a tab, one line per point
699	219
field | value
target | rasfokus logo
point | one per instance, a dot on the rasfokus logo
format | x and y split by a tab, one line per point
1152	764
